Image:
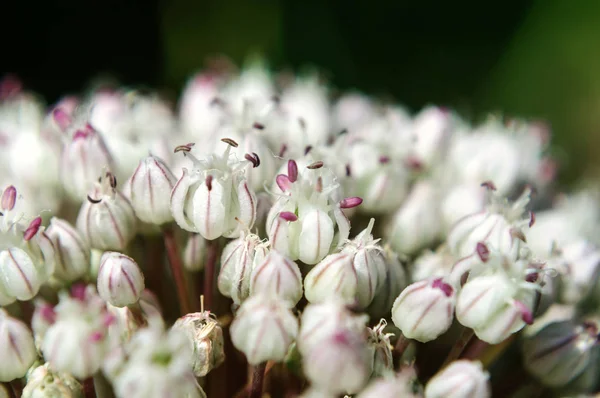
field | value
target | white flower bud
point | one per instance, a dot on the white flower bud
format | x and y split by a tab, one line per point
355	274
72	251
578	265
302	222
394	281
417	223
495	306
17	348
44	383
561	351
107	219
197	114
425	309
460	201
157	365
128	320
263	329
77	341
498	226
120	279
460	379
403	384
27	257
82	158
206	340
150	191
277	275
431	129
213	199
194	253
237	262
432	264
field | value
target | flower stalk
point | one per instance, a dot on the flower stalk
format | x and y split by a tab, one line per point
177	269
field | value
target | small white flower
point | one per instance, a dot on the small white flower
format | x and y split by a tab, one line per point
120	279
239	258
263	329
277	275
425	309
16	348
214	199
460	379
72	251
106	218
150	191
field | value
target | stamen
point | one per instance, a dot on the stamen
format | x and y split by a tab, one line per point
252	159
444	287
112	179
482	251
217	102
9	198
33	228
288	216
489	185
282	150
258	126
344	131
208	182
518	234
348	171
184	148
384	159
292	170
92	200
315	165
230	142
307	149
283	182
531	219
351	202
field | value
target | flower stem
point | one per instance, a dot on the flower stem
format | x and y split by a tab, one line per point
177	269
458	347
401	345
209	273
89	390
258	377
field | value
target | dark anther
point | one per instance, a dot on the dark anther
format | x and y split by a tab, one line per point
384	159
307	149
253	158
344	131
209	179
315	165
216	102
229	141
257	158
348	171
258	126
282	150
184	148
93	201
489	185
112	179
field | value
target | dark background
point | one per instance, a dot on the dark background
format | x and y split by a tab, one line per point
534	59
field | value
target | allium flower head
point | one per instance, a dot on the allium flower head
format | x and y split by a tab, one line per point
214	199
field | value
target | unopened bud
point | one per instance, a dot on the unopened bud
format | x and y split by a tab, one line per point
17	348
277	275
72	251
120	280
460	379
43	382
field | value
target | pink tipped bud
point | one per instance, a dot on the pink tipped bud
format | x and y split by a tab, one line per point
292	170
288	216
61	118
9	197
283	182
33	228
351	202
384	159
444	287
526	313
482	251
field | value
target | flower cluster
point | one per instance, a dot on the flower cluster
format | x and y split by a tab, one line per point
327	233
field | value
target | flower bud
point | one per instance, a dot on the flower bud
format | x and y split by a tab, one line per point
43	382
237	261
120	279
561	351
424	310
495	306
72	251
263	329
431	129
128	320
150	191
206	339
194	253
357	272
460	379
27	259
82	158
461	201
76	342
277	275
17	348
499	225
417	223
432	264
394	281
213	199
578	264
43	317
107	219
403	384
